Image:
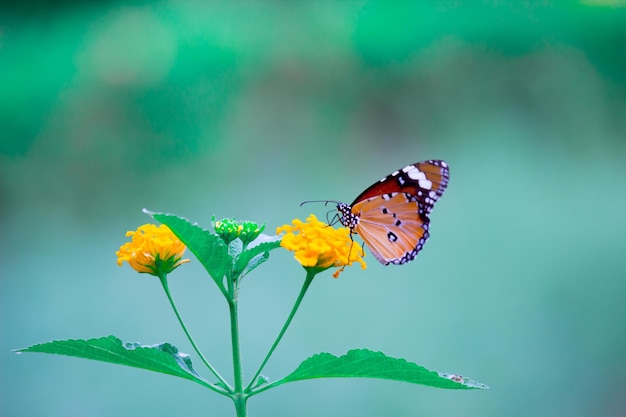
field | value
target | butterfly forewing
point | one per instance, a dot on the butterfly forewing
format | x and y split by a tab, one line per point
391	216
427	179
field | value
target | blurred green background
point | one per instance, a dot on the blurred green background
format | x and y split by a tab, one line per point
246	109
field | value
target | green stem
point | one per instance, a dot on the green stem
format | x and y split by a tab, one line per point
240	404
238	395
227	388
310	274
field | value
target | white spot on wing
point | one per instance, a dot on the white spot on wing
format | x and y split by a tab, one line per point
419	176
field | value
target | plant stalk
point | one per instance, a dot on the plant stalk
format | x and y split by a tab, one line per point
226	387
239	397
310	274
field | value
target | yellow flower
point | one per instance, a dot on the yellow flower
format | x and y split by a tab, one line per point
318	245
153	249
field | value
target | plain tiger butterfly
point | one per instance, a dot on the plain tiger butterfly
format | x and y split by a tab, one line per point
392	215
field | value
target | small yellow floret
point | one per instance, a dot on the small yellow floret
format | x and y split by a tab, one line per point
153	249
318	245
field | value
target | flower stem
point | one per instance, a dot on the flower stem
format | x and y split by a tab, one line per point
226	387
310	274
239	397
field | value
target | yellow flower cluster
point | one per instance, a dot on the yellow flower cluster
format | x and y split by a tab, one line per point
153	249
318	245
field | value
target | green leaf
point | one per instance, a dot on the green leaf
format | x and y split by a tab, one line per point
363	363
256	254
208	247
234	248
163	358
253	263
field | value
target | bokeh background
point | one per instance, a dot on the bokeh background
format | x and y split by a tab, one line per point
246	109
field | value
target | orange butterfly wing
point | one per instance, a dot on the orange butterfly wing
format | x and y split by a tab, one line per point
391	227
391	216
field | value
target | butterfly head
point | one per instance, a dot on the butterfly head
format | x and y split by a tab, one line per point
346	216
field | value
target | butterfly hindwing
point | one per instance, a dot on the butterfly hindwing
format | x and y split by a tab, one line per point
392	227
391	216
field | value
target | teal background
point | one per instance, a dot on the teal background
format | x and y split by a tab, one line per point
247	109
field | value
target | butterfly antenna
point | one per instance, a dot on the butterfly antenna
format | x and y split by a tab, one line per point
320	201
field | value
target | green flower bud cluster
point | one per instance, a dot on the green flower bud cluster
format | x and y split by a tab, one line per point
230	229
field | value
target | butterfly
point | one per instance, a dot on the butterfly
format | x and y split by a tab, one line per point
391	216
